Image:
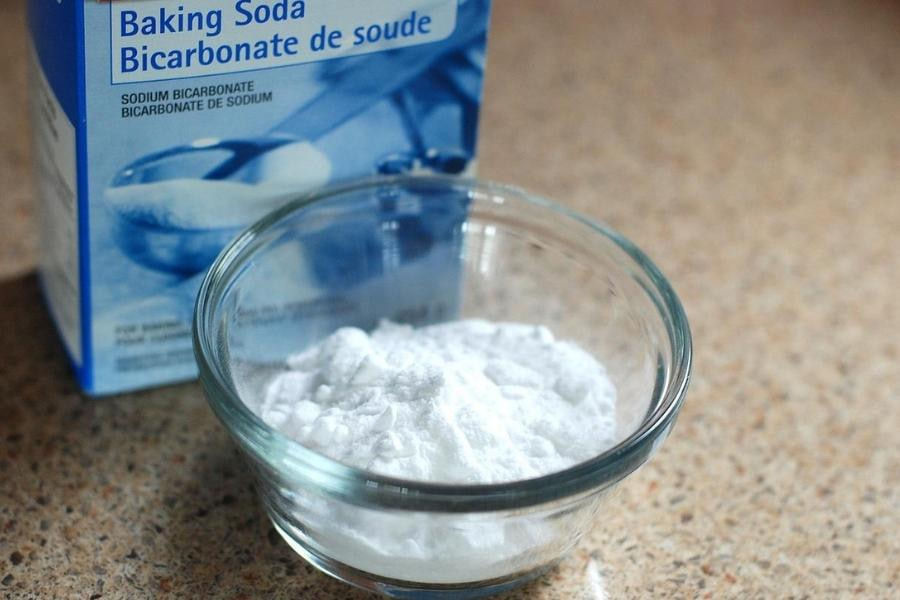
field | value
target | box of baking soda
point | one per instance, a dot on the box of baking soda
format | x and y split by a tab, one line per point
164	128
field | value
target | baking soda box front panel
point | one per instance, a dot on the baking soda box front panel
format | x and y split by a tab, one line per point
164	128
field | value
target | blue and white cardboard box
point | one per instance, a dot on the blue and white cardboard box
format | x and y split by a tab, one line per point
162	128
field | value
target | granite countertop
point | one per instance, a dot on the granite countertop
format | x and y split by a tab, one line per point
753	149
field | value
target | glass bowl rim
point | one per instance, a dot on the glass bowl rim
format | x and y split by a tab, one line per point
362	487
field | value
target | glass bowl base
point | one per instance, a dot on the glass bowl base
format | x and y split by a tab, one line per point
409	590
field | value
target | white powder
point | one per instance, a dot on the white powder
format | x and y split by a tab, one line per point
466	401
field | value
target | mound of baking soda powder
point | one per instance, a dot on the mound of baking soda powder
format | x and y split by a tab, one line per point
460	402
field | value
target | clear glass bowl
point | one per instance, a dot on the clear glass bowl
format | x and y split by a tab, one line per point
421	250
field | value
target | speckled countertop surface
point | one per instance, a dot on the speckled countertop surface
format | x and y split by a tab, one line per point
753	149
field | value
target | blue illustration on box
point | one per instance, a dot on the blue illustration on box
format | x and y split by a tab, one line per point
176	208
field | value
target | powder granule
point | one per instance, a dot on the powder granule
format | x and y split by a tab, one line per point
460	402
